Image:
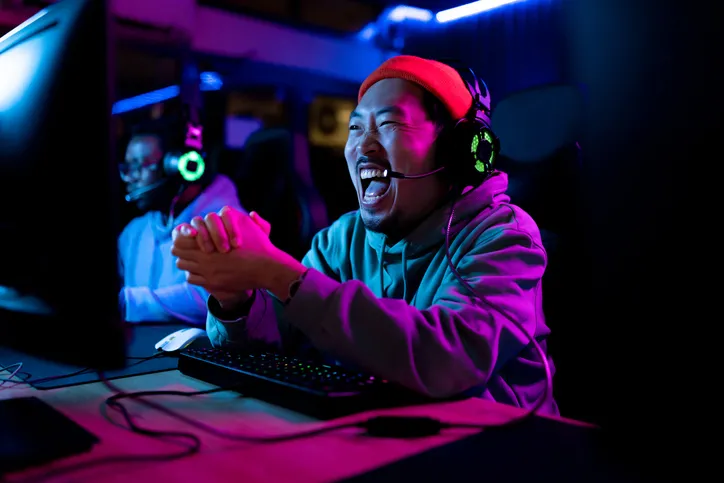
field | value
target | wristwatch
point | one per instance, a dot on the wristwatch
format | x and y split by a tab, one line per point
294	286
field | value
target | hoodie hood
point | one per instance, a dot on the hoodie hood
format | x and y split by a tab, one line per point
431	232
406	260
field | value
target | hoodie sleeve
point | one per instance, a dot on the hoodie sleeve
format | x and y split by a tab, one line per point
175	302
443	350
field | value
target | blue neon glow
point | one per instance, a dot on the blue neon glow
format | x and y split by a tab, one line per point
209	81
401	13
404	12
470	9
147	99
368	32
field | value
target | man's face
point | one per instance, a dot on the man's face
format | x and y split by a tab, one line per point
390	129
142	165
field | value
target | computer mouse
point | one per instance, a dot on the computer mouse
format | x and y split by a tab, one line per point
179	339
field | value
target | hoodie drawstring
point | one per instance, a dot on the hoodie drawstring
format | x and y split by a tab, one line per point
404	273
382	269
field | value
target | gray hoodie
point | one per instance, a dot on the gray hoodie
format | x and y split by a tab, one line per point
400	313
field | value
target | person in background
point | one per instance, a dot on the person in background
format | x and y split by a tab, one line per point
376	290
153	288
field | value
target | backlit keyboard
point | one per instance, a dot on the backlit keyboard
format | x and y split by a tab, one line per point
319	390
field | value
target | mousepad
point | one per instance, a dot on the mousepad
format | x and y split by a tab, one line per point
539	449
34	433
142	359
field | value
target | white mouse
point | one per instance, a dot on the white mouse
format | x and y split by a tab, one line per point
179	339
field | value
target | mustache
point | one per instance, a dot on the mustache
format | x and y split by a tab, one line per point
366	159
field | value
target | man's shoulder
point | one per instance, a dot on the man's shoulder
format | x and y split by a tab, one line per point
506	217
138	222
134	228
219	193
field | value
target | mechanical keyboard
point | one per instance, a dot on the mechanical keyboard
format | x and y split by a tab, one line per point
318	390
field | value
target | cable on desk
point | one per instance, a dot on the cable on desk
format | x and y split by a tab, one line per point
17	366
379	426
24	378
113	401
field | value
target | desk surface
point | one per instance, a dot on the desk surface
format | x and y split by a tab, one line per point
326	457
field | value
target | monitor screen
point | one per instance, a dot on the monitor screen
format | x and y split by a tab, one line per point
59	188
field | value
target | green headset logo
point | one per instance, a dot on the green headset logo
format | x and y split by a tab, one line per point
482	165
191	166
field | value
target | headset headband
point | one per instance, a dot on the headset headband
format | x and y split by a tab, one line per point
480	107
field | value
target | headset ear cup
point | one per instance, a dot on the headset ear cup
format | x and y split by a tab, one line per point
191	166
473	151
187	167
484	149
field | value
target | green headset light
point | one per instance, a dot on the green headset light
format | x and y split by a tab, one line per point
191	166
482	165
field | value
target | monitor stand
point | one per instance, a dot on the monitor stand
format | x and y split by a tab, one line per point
32	433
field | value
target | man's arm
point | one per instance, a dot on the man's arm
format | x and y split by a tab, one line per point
182	301
444	350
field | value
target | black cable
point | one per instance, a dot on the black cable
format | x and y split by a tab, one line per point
379	426
24	377
16	371
548	392
120	394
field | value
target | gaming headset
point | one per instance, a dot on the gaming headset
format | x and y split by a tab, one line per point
470	144
183	165
472	136
187	164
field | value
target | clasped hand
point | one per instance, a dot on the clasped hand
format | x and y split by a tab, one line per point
227	253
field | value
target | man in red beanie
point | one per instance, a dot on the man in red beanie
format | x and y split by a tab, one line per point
376	291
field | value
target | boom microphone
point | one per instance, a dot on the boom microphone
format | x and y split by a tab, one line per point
394	174
138	193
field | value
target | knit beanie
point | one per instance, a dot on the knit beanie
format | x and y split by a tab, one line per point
441	80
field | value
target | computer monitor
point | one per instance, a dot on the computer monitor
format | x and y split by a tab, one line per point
59	188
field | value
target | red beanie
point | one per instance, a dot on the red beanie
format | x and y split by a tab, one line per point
439	79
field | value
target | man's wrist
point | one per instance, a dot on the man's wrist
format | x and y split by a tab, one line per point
232	310
231	303
283	272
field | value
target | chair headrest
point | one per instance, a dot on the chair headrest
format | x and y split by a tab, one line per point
535	123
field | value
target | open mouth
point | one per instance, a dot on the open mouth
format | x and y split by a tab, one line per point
375	185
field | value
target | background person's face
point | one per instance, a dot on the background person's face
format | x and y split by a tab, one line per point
142	166
390	129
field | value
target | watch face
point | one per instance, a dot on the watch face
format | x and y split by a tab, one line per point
294	286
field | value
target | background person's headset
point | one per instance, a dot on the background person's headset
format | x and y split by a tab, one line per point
188	163
184	165
469	147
